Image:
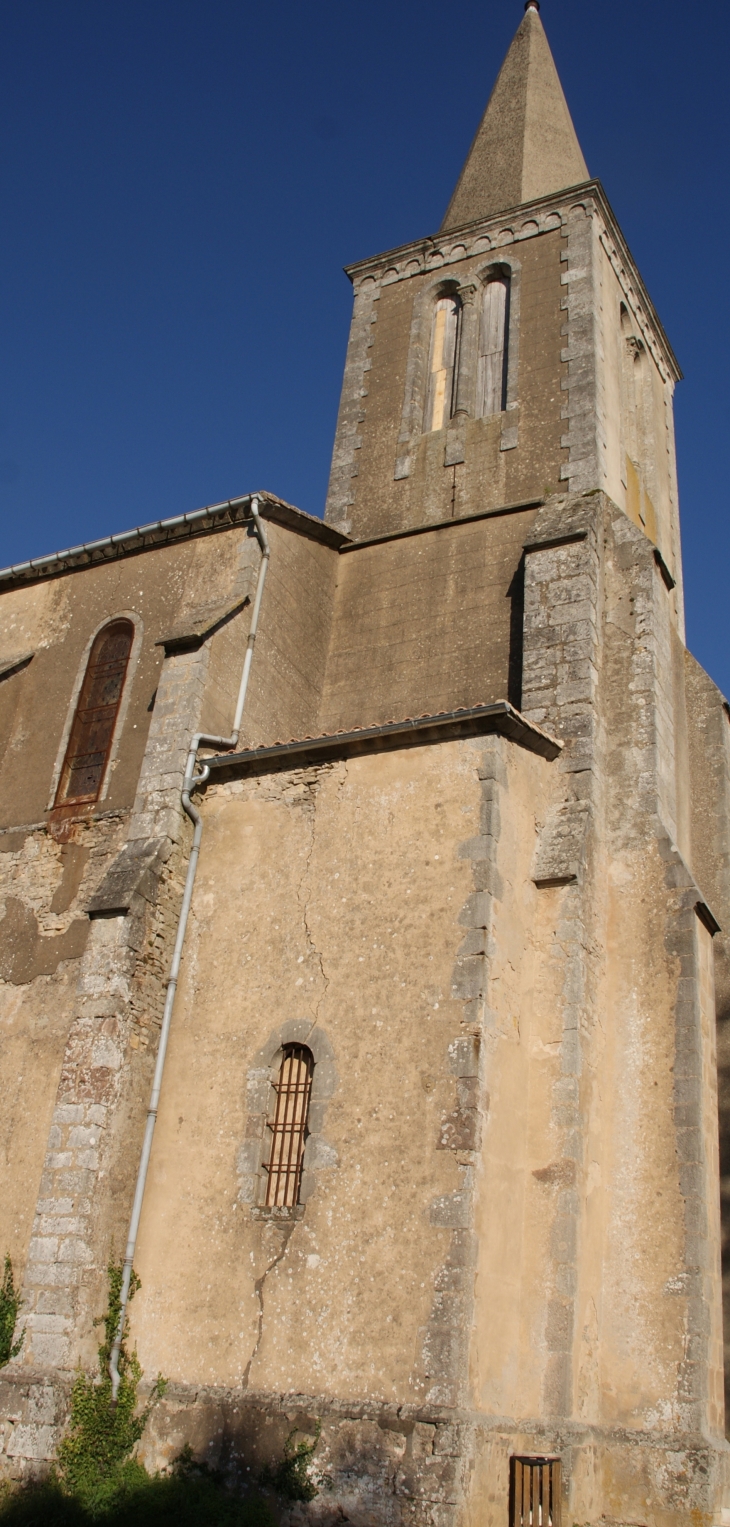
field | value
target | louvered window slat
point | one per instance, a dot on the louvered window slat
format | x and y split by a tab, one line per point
444	334
492	366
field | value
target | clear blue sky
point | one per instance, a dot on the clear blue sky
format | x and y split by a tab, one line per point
182	181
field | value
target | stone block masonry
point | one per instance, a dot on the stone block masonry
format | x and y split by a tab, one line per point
106	1069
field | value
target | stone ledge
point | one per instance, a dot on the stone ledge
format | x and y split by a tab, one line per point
134	872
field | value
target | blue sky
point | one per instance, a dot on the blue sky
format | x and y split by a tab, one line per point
183	180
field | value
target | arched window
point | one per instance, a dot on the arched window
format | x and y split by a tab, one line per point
492	366
289	1126
442	364
90	741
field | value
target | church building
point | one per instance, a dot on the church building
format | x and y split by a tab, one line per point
364	895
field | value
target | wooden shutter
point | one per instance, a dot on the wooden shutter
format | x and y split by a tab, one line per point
91	736
492	367
439	402
289	1126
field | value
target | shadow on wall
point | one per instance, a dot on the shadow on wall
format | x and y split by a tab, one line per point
516	596
366	1460
253	1460
723	1105
381	1465
187	1498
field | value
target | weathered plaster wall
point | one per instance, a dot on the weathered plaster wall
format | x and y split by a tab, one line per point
396	649
171	592
509	1234
332	897
44	887
709	792
521	1045
72	1110
287	677
639	457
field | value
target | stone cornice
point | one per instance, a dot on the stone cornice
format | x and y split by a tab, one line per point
543	215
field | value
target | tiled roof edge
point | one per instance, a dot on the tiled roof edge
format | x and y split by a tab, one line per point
498	716
179	527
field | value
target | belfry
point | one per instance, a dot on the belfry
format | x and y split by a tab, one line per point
364	896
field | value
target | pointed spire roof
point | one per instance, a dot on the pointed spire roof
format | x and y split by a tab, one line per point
526	144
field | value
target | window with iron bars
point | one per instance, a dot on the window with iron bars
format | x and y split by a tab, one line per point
289	1127
535	1492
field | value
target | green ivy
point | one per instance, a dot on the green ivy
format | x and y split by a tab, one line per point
97	1479
189	1496
9	1306
292	1476
95	1457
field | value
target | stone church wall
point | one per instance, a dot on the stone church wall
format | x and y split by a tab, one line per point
499	965
319	895
395	648
80	999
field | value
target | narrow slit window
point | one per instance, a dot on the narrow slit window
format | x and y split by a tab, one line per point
492	366
92	732
289	1127
442	365
535	1492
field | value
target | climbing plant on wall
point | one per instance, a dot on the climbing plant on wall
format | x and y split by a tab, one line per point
96	1454
9	1306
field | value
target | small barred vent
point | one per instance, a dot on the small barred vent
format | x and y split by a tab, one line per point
535	1492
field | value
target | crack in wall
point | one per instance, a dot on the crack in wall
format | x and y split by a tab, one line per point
286	1232
344	779
304	900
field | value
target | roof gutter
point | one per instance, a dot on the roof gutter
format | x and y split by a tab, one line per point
56	561
231	511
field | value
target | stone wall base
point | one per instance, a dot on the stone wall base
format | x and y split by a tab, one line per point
396	1466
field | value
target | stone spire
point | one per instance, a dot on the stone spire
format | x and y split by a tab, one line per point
526	144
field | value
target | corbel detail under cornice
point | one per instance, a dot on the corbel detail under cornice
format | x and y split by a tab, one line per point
543	215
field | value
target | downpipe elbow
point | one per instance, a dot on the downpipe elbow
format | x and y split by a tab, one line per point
114	1373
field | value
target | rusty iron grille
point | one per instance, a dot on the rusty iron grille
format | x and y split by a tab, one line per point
535	1492
289	1126
92	731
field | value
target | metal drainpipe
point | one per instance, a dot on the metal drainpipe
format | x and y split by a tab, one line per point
190	782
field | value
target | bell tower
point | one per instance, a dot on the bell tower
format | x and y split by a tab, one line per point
514	355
